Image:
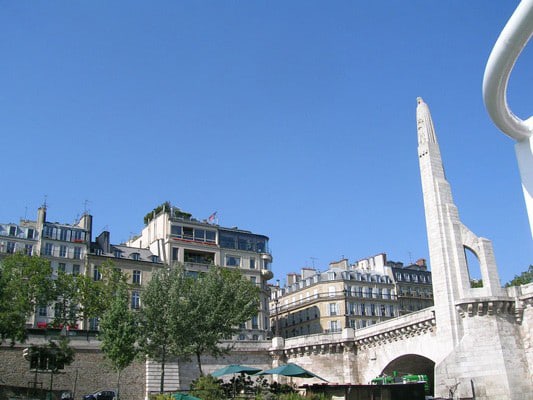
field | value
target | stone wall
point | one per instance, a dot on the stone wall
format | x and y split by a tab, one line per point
88	373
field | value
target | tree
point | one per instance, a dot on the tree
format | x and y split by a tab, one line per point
95	296
25	283
523	279
185	315
118	333
66	293
220	301
163	316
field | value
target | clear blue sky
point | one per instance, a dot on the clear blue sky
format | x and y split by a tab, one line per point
293	119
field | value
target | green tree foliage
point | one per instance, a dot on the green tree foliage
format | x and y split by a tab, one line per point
187	316
220	300
476	283
167	208
523	279
118	333
66	297
94	297
207	388
25	283
163	318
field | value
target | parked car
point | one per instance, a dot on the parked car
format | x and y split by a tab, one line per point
101	395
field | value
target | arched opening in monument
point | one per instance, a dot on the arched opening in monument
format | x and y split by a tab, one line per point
474	271
413	364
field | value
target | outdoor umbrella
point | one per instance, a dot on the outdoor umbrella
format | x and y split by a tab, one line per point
184	396
291	370
234	369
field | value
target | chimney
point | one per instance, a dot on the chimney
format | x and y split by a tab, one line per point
292	278
103	241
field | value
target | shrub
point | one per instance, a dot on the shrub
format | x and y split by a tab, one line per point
207	388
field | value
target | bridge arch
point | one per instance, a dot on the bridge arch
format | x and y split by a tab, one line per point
412	364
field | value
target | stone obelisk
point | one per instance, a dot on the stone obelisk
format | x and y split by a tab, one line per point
476	327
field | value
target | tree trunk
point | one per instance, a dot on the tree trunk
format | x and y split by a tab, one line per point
118	384
162	384
199	363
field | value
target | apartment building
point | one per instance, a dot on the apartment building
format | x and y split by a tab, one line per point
176	237
355	295
170	236
320	302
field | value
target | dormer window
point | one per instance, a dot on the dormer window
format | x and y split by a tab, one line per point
118	254
12	230
155	259
135	256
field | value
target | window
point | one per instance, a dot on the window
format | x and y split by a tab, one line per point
255	324
58	310
48	249
12	230
188	233
175	253
333	326
253	279
252	263
62	251
372	309
255	337
210	236
96	274
135	256
76	269
331	291
118	253
94	324
155	259
199	235
363	310
136	277
77	253
63	235
242	337
78	236
233	261
332	308
135	300
61	267
43	311
10	247
29	234
28	249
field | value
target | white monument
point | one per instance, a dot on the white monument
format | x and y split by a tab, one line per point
476	327
507	49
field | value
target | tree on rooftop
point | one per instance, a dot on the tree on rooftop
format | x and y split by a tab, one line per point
25	283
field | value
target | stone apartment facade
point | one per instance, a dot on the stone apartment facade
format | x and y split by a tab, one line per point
357	295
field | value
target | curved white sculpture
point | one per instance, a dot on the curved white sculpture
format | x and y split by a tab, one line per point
514	37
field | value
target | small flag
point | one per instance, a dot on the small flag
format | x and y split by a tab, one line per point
212	217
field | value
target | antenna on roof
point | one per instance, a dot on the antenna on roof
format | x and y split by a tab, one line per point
45	198
85	204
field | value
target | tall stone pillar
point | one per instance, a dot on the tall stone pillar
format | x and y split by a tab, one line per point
476	329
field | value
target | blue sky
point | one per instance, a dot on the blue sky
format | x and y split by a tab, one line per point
294	119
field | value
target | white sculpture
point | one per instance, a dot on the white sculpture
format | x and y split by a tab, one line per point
512	40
